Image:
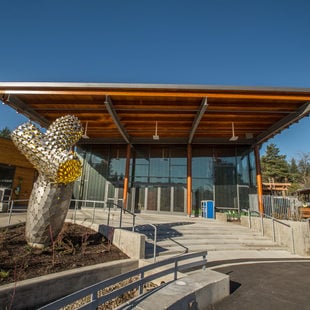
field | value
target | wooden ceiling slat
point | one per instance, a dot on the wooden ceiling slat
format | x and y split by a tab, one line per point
252	111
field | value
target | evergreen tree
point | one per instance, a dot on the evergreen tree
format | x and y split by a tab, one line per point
294	177
304	169
274	166
5	133
294	174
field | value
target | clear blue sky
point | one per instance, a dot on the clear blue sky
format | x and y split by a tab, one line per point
223	42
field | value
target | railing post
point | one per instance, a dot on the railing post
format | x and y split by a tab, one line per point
75	208
94	297
109	208
133	222
293	244
94	208
141	285
120	217
11	208
155	242
249	215
176	269
204	257
273	231
262	224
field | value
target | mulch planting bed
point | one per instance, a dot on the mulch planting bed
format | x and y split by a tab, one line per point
75	247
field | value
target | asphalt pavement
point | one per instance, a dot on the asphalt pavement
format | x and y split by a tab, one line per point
264	286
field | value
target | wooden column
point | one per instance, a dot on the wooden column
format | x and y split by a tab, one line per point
189	179
259	180
126	180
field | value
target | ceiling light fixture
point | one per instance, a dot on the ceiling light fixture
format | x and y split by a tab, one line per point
233	137
85	136
156	136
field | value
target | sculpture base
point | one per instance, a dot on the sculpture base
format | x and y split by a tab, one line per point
47	210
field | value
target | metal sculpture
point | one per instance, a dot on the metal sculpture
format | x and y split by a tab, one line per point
58	166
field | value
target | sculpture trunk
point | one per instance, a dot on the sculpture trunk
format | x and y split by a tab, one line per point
47	210
58	166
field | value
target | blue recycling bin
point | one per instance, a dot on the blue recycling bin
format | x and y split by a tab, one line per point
207	208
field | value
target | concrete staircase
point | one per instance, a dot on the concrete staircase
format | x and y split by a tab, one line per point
224	241
202	234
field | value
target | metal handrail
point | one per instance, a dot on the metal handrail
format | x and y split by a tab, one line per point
262	215
93	292
11	207
122	209
155	241
106	205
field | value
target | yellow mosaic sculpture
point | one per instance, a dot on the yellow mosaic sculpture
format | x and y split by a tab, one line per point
58	166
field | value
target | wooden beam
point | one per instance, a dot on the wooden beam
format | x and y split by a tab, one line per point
21	107
304	110
199	115
111	110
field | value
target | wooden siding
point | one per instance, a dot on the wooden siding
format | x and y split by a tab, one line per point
24	172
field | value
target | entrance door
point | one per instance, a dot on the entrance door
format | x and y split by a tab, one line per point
179	198
152	193
225	187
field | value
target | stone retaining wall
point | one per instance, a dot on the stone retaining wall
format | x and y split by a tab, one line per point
36	292
283	234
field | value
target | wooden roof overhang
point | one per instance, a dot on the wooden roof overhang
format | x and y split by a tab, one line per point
185	114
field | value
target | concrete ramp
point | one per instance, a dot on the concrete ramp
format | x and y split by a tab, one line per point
197	290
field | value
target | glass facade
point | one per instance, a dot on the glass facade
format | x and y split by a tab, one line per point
158	176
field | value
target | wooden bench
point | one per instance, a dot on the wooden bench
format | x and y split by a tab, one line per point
304	213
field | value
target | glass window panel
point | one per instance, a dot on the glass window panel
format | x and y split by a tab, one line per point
243	170
141	180
226	196
141	155
6	176
178	155
159	167
252	169
159	162
158	180
202	167
178	180
178	171
141	170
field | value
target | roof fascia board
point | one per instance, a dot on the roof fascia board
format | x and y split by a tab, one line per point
55	85
109	105
303	111
199	115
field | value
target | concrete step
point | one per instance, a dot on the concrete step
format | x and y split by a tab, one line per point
197	238
169	243
228	252
223	247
